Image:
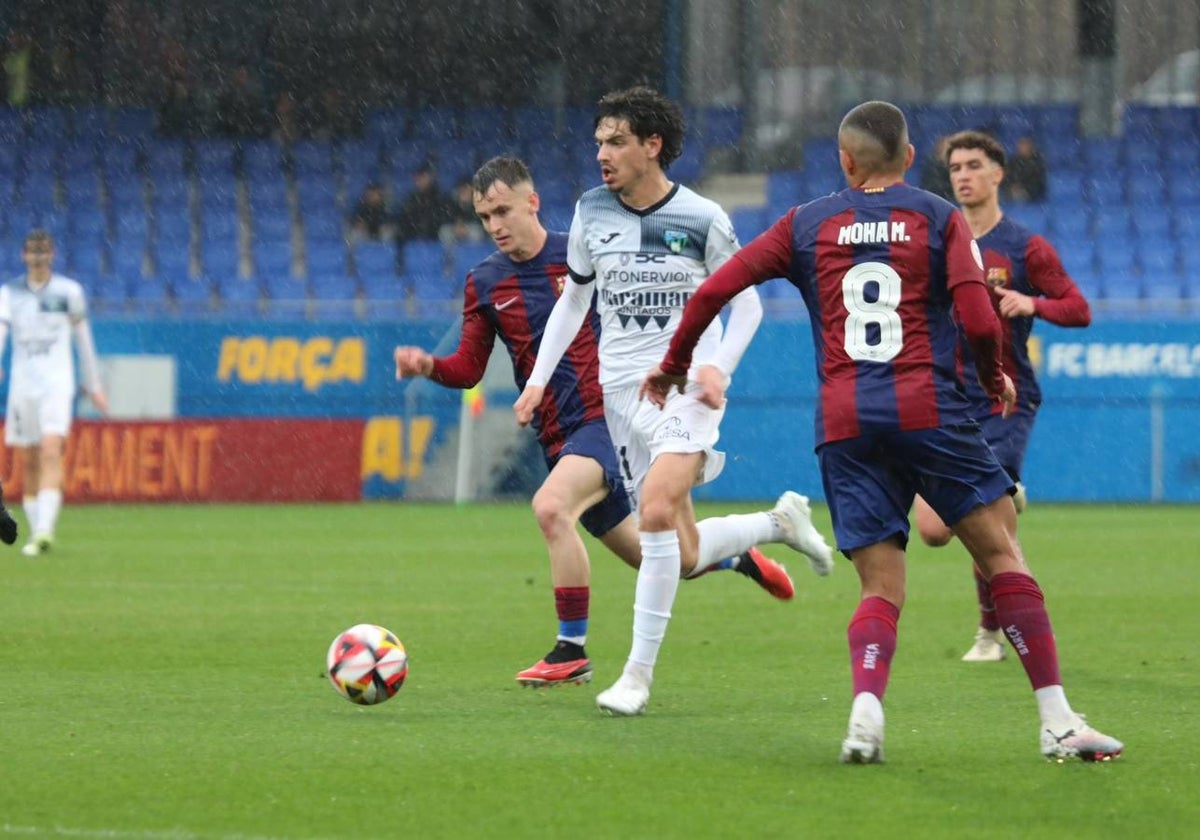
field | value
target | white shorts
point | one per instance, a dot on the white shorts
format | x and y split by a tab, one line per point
30	418
641	432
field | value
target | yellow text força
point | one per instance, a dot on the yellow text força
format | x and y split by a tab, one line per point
317	361
383	449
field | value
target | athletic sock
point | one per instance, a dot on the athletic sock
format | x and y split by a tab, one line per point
724	538
872	638
987	609
49	503
571	603
657	583
1021	612
30	506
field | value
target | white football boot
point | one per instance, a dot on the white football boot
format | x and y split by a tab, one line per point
1075	738
628	696
989	646
864	737
795	520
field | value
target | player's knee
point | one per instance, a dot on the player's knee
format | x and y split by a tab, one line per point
656	514
552	514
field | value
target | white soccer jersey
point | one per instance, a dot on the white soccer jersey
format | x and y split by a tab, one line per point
647	263
41	325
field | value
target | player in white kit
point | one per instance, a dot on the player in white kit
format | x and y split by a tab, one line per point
642	245
45	313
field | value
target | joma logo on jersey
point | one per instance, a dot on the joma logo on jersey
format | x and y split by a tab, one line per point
315	362
863	233
997	276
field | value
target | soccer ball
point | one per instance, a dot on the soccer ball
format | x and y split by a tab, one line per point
367	664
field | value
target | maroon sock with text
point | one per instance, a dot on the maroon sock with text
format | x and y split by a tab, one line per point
1021	612
571	602
987	609
872	637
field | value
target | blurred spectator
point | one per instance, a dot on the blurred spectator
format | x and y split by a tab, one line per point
240	107
935	175
371	218
1025	174
178	114
17	72
332	116
464	225
424	210
287	120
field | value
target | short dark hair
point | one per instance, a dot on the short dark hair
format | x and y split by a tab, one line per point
38	235
648	113
986	143
509	171
884	123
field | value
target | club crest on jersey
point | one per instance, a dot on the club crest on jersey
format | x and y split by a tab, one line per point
997	276
560	283
676	240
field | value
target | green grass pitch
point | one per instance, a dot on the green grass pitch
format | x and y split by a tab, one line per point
163	678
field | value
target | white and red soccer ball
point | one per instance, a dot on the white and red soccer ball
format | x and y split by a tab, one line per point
367	664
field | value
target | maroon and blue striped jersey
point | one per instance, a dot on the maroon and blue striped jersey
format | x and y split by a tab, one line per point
882	271
513	300
1016	258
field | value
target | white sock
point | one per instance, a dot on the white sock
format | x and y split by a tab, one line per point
30	504
729	536
1052	704
657	583
49	503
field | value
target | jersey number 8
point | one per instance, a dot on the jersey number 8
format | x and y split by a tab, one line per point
862	313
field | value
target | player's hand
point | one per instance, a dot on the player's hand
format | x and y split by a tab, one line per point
657	386
1013	304
100	400
712	385
528	403
1008	397
8	527
412	361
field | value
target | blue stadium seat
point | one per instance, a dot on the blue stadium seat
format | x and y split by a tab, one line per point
532	123
172	264
382	286
1152	222
358	156
193	293
1115	258
374	259
89	123
1070	223
311	157
1089	283
272	259
261	160
127	260
316	191
1164	286
131	226
332	286
721	125
1146	190
219	257
1179	123
173	232
284	287
1102	154
132	122
78	156
484	124
1112	222
40	159
1182	154
433	294
238	295
1187	228
386	123
81	189
120	160
268	196
1159	261
219	224
271	226
423	257
1032	216
39	190
166	159
433	122
1105	188
218	194
325	259
1077	253
1184	192
170	195
213	159
324	227
749	221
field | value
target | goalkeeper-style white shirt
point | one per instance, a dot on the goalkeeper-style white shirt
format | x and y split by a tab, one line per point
41	324
646	264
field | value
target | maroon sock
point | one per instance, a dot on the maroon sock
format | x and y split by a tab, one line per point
987	609
872	637
572	605
1021	611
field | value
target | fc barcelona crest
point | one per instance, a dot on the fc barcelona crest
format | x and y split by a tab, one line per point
676	241
997	276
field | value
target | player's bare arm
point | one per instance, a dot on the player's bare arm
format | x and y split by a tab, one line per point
412	361
1013	304
657	386
527	404
712	381
99	400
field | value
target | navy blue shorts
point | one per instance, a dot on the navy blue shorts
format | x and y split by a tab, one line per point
870	481
1009	437
591	440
